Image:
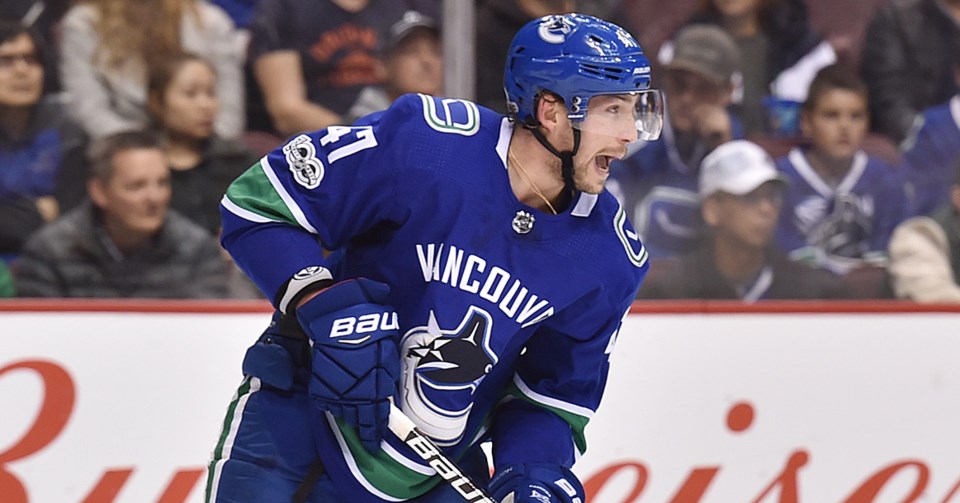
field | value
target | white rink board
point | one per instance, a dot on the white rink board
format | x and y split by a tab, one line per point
856	393
852	393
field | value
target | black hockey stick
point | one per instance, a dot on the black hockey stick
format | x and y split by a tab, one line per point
403	427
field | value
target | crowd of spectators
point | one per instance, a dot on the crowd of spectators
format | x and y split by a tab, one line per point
787	167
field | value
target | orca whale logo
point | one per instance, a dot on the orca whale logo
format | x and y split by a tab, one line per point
442	369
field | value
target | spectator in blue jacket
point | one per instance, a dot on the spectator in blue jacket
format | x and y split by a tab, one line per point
932	150
38	142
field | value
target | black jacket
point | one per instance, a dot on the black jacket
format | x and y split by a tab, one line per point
695	276
72	257
907	63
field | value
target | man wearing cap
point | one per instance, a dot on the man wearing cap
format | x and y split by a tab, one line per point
412	62
741	193
657	184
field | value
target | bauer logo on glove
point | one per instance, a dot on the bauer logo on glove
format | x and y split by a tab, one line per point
356	360
363	326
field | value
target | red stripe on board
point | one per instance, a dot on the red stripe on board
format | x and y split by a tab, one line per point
787	306
135	306
639	307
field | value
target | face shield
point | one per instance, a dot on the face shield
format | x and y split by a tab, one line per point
628	116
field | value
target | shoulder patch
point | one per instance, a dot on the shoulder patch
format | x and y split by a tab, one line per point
629	239
302	160
451	115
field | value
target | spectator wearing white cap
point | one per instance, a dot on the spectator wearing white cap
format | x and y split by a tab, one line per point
657	184
741	193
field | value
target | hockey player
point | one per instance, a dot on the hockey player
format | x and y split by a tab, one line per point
481	279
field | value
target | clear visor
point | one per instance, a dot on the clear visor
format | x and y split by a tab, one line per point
630	117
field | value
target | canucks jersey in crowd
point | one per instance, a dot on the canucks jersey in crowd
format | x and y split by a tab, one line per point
476	276
931	156
839	227
657	185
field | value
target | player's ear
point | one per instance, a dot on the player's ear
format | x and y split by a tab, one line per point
550	111
955	196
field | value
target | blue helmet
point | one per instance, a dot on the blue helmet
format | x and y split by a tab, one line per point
574	56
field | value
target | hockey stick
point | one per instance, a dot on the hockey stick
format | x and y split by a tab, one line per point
403	427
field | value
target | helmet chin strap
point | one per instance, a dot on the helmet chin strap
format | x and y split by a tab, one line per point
566	157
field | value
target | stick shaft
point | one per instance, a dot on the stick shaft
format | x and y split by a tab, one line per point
403	427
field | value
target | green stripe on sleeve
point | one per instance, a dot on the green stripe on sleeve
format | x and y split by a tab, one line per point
253	192
383	471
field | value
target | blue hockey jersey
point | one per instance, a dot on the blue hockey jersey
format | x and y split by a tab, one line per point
840	227
931	156
495	299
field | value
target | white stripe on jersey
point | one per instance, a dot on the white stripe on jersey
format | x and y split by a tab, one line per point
244	213
231	436
806	171
287	199
552	402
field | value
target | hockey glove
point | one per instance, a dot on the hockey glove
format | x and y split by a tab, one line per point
536	483
356	363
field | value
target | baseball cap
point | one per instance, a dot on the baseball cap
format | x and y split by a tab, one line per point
737	167
707	50
407	25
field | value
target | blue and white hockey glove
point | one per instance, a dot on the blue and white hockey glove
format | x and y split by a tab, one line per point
356	362
536	483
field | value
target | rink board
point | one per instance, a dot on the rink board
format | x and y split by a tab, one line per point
712	406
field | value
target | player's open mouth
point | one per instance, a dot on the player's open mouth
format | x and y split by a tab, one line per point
602	162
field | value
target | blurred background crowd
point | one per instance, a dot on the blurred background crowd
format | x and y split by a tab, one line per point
811	149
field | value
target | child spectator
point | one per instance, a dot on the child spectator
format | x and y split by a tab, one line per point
412	62
126	242
925	253
38	143
742	194
841	204
657	184
110	46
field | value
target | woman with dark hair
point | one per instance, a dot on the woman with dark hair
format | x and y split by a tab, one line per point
39	145
779	51
182	103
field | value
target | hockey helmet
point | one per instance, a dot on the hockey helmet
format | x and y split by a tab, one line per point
577	57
